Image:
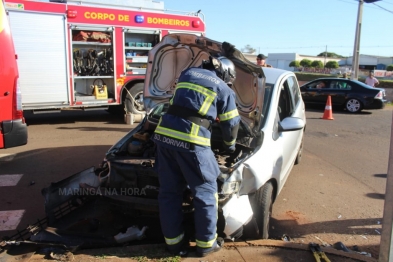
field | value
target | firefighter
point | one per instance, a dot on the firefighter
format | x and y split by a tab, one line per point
184	157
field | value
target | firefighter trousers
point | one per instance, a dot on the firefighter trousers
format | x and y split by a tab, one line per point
199	170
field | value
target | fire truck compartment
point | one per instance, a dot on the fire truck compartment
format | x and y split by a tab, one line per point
40	43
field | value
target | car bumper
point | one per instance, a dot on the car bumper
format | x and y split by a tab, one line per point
237	212
376	104
14	133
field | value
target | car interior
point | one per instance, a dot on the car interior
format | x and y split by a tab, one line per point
339	85
284	102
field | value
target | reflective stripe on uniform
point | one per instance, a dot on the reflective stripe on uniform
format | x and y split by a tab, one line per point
192	137
229	115
194	130
174	241
230	142
209	95
205	244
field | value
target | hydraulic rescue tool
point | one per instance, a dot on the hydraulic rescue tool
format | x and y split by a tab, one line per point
318	253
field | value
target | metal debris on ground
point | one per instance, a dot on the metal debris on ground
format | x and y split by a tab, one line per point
356	248
341	246
365	253
67	256
132	233
285	238
323	242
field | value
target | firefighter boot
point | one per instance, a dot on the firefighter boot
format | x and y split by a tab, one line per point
202	252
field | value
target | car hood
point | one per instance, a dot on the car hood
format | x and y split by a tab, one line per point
177	52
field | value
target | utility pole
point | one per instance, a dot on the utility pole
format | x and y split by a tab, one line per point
325	57
355	56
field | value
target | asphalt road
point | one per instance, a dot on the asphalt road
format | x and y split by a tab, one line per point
335	194
59	145
337	191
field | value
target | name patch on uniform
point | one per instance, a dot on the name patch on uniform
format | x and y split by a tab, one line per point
200	75
171	141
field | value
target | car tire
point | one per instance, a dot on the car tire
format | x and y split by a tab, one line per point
353	105
262	206
298	158
134	104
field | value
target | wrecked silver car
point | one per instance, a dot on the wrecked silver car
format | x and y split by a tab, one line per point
90	208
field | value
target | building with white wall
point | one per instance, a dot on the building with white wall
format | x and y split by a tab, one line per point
369	62
282	60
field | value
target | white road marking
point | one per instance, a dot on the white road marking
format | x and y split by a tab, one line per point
9	220
7	157
9	180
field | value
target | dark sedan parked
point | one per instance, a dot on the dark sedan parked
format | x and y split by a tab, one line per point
352	95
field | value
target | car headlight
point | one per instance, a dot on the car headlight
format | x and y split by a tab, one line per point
229	188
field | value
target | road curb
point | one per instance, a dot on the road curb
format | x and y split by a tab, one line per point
228	245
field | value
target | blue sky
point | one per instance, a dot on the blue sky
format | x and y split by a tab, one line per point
306	27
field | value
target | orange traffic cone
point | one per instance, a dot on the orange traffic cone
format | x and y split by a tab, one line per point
328	114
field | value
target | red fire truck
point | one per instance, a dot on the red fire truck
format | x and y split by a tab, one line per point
13	129
89	54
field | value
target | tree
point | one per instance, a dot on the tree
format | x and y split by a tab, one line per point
317	64
329	54
389	68
305	63
248	49
294	63
332	64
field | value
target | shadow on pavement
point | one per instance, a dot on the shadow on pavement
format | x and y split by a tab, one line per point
335	110
340	226
72	116
352	227
381	175
90	128
376	196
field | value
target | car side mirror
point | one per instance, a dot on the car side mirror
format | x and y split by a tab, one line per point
290	124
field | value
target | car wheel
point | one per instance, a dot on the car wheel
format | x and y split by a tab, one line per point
262	205
353	105
134	99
